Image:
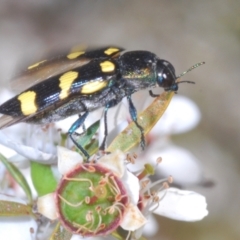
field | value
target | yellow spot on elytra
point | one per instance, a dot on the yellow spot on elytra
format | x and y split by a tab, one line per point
27	102
36	64
107	66
110	51
66	81
74	54
93	87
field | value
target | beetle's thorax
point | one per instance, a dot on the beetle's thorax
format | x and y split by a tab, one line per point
137	69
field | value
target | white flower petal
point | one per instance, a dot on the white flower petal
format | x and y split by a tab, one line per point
181	164
131	183
115	162
182	205
26	151
181	116
6	151
57	175
67	159
149	229
66	123
133	218
78	237
20	228
47	206
19	161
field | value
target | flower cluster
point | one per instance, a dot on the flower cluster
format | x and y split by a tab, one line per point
108	193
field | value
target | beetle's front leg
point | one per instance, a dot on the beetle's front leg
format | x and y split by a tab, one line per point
133	113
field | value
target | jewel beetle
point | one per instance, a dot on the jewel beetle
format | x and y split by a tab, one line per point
83	81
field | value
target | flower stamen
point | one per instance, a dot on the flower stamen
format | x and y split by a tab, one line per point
70	204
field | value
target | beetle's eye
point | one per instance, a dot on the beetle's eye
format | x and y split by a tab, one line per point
165	74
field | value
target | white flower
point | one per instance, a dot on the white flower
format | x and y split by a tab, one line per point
68	161
32	144
155	197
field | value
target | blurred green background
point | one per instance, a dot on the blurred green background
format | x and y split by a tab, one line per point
183	32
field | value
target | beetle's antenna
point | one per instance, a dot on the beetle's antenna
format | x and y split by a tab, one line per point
190	69
186	82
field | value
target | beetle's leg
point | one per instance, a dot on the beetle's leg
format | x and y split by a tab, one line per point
103	144
110	104
80	121
133	113
152	94
83	127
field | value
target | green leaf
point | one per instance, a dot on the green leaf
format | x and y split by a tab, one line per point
43	178
18	177
13	209
130	136
88	134
60	233
92	147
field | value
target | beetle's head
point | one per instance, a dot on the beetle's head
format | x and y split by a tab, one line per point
166	77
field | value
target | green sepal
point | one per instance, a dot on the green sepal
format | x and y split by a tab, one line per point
43	178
